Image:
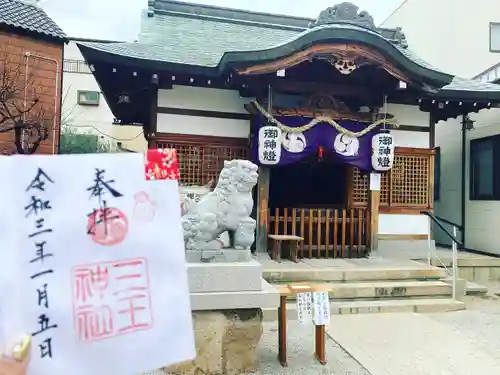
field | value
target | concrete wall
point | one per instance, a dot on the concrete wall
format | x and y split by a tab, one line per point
43	83
452	35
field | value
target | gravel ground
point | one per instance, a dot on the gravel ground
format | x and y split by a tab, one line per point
300	354
480	322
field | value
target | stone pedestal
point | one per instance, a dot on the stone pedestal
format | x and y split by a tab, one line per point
218	256
227	301
226	342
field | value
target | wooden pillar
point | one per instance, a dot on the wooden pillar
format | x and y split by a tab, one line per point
374	201
263	194
432	130
153	116
263	209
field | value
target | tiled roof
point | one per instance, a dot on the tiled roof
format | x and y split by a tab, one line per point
473	85
29	18
202	42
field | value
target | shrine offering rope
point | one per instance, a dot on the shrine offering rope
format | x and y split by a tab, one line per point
317	120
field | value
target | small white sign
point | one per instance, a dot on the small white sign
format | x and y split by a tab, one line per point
321	308
382	152
269	145
375	181
304	307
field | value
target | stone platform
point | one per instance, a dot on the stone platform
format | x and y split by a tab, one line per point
227	303
472	267
361	286
218	256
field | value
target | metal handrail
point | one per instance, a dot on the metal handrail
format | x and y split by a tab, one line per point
437	220
454	242
446	221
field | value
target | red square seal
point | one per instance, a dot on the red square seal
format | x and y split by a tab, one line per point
111	299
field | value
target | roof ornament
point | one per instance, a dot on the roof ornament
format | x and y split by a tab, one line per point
345	13
151	8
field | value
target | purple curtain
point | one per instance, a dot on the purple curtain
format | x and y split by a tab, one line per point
298	146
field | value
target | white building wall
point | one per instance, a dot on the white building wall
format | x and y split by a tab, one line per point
207	99
82	118
407	115
449	206
229	101
452	35
482	217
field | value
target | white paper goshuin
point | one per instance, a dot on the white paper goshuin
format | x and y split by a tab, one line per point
101	286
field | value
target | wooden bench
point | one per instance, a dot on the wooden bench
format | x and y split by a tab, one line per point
319	330
293	242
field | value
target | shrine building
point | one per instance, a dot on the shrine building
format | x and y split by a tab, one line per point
340	116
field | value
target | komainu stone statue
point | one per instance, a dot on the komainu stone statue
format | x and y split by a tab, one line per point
226	208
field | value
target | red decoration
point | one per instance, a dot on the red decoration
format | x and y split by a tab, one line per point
161	164
320	152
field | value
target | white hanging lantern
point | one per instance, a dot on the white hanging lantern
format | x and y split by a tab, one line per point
269	145
382	152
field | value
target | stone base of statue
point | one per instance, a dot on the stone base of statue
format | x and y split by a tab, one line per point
218	256
227	299
226	286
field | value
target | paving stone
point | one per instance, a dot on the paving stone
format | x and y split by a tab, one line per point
394	344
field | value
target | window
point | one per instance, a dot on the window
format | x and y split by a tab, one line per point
484	170
437	172
88	97
407	186
494	36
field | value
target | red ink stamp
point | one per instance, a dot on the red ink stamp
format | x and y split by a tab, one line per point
111	299
144	208
107	226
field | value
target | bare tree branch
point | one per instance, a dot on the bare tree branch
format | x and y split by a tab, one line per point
21	111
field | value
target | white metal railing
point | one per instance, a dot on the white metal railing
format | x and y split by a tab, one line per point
76	66
431	250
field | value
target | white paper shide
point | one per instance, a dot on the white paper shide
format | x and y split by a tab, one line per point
269	145
96	275
382	152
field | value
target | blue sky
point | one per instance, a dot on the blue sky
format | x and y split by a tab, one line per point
120	19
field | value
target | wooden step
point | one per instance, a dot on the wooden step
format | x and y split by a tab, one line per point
387	289
427	305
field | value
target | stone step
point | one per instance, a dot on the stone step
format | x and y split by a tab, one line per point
326	274
428	305
472	288
386	289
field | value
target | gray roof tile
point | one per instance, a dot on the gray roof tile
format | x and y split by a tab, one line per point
29	18
203	42
464	84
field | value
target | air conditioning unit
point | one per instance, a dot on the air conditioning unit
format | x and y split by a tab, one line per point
88	97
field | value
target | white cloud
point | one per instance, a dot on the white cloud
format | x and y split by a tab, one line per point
120	19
